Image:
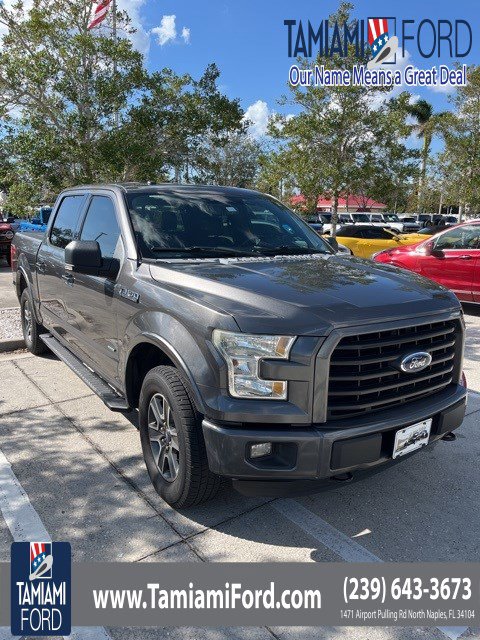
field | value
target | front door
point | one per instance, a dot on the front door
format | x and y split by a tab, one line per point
455	253
92	297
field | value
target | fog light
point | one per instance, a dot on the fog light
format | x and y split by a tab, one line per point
261	449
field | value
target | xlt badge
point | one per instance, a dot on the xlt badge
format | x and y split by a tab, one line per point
129	294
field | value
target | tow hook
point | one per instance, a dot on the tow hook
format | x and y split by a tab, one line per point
343	477
449	437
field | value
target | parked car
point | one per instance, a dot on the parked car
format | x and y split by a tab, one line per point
343	218
410	224
6	236
366	240
251	350
429	231
387	220
451	258
37	223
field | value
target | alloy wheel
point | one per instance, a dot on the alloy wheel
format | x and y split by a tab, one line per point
163	437
27	320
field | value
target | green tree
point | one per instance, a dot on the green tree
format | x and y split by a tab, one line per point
461	156
427	124
233	161
60	78
176	122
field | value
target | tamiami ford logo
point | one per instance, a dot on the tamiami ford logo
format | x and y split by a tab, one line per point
40	584
380	43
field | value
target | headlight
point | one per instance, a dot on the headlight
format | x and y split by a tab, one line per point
243	353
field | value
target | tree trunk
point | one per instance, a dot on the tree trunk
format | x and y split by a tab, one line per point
423	172
333	232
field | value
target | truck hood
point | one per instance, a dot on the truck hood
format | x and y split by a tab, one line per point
304	295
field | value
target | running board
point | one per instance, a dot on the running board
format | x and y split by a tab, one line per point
104	391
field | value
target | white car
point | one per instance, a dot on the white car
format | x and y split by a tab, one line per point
386	220
343	218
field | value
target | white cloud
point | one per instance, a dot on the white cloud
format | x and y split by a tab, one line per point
186	35
141	38
166	31
258	114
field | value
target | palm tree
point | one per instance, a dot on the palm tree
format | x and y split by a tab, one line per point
427	124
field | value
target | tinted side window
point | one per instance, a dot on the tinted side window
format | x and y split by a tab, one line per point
101	225
460	238
66	220
377	233
349	232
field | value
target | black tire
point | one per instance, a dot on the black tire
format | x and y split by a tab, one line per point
177	463
30	327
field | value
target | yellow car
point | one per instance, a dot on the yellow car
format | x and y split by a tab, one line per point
365	240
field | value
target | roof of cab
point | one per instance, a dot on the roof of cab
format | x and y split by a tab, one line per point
141	187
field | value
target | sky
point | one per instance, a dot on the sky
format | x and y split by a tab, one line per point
248	41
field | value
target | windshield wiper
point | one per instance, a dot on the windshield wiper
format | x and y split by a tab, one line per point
212	250
287	250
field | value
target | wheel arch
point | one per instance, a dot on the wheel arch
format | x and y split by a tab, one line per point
150	351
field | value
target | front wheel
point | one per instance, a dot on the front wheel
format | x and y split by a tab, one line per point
172	440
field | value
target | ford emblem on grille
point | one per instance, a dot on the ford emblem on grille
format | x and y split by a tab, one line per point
415	362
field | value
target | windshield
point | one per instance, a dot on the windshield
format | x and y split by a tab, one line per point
391	217
176	222
360	217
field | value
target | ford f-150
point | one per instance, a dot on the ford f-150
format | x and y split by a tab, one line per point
250	349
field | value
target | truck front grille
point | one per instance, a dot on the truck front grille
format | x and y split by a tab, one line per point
363	375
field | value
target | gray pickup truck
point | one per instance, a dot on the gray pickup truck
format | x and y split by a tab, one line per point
250	349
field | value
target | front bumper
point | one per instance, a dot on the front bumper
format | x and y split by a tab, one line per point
319	452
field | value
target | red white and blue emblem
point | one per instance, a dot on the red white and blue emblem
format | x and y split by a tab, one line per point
41	560
381	44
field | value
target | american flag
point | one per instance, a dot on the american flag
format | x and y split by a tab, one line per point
99	12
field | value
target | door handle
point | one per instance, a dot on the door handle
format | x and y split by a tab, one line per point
40	266
69	279
465	257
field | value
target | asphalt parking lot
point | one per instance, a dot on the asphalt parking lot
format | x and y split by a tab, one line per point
82	471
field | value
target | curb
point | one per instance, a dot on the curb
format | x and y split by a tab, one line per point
12	345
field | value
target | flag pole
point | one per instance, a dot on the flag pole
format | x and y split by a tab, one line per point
114	10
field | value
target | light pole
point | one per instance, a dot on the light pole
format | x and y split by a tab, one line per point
114	30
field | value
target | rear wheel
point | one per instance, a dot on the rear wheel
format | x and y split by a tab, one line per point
30	327
172	440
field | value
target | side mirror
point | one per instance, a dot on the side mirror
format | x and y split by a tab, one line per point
332	242
85	256
431	251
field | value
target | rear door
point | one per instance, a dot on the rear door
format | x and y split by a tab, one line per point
92	300
54	283
456	255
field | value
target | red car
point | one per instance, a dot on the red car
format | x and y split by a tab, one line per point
6	235
451	258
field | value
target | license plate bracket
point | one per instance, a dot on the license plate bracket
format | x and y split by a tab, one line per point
411	438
